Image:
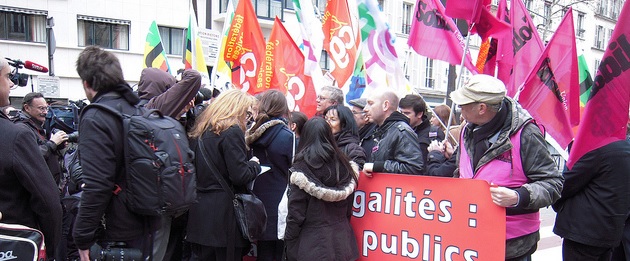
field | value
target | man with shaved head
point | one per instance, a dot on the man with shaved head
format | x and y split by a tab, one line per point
397	149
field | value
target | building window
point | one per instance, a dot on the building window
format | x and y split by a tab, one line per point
528	4
616	8
321	5
288	4
172	40
407	18
600	36
603	8
580	25
381	4
324	61
597	62
429	81
104	32
547	12
22	25
223	5
268	9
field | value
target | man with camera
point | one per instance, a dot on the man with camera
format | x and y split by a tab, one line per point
35	109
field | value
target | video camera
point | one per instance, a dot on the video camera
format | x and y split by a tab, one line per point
19	79
115	252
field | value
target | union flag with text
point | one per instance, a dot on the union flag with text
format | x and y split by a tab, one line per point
551	91
436	36
283	69
606	113
341	39
245	47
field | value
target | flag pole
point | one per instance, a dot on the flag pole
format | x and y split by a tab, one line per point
459	82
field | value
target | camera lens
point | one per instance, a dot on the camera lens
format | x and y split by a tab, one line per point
73	137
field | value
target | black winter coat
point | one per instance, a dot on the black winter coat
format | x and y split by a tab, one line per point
102	158
320	207
397	148
47	148
595	199
272	144
28	193
211	221
366	139
349	145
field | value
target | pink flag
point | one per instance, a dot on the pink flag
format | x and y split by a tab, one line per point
469	10
436	36
493	52
606	113
551	92
526	47
489	26
505	52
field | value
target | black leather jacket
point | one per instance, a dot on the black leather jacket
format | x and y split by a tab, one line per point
397	147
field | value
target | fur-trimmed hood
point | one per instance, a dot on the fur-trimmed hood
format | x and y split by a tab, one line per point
318	190
251	137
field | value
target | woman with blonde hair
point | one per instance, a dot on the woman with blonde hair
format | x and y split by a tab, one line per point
212	228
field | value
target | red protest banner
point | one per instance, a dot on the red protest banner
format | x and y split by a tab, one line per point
401	217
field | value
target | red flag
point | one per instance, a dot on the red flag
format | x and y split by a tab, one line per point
521	53
490	26
283	69
606	114
436	36
341	39
469	10
245	47
551	91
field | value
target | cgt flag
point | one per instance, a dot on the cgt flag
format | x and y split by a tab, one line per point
436	36
245	48
283	69
551	91
606	113
154	54
341	39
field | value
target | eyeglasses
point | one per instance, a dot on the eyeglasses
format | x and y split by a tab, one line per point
321	98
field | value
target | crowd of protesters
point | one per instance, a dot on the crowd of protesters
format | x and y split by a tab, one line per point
315	163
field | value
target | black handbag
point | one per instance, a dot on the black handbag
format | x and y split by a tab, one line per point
249	210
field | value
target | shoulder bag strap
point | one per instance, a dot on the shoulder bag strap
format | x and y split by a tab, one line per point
213	169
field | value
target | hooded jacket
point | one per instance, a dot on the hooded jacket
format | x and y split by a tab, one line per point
272	144
349	145
319	211
101	152
397	149
544	179
161	91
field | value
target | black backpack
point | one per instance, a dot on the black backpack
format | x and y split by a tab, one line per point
160	175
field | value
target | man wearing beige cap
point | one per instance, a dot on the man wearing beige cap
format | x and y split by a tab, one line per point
502	145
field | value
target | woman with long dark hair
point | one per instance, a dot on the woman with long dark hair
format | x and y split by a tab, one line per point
346	132
271	140
321	191
212	228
